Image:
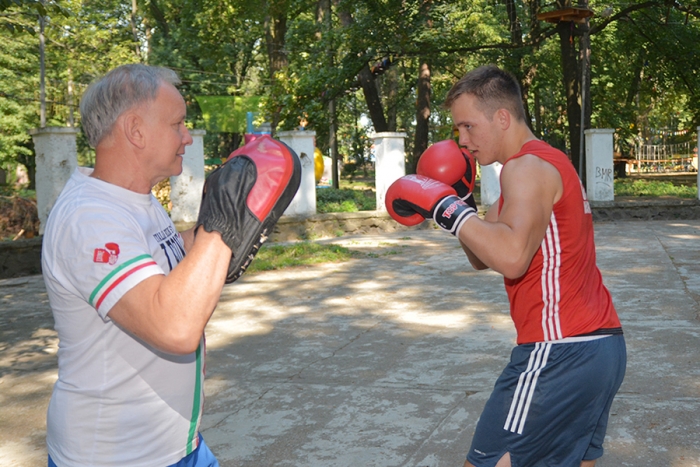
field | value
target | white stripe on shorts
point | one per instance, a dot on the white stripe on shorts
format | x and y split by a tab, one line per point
526	388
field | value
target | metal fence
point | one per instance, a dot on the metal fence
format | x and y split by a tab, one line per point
675	157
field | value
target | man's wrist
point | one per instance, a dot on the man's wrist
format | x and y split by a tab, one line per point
451	213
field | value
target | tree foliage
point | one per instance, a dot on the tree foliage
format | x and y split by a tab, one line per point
364	56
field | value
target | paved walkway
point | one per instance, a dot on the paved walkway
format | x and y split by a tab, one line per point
387	360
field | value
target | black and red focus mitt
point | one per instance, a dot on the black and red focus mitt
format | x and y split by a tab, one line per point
244	198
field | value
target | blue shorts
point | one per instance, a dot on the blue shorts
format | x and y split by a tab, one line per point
200	457
550	405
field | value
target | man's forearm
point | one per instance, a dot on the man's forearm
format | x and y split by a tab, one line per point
473	259
170	312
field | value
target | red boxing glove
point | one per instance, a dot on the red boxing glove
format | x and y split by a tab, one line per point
445	161
414	198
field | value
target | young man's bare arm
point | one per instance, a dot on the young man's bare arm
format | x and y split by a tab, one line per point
170	312
530	187
491	216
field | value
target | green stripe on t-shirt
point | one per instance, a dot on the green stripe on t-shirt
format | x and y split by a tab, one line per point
196	404
113	275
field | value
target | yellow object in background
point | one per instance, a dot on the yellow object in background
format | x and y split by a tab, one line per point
318	164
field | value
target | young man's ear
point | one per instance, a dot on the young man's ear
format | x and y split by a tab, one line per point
503	117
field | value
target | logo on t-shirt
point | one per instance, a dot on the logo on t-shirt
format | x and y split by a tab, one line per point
170	242
108	254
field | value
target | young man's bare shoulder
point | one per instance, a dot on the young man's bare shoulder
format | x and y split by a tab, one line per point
529	165
534	172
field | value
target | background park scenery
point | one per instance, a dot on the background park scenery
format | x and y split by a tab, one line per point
346	69
382	349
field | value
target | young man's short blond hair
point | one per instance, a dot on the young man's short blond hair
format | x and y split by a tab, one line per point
494	89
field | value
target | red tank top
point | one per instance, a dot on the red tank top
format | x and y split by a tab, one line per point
562	293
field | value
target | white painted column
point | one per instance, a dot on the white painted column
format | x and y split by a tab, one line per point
390	163
56	159
304	144
327	177
490	184
697	160
599	164
186	188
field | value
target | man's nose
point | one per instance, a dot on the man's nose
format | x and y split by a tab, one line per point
463	139
186	138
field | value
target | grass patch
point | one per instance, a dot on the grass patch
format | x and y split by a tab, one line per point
298	254
345	200
657	188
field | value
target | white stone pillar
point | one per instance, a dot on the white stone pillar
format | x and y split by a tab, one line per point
490	184
304	144
186	188
56	159
390	163
599	164
697	160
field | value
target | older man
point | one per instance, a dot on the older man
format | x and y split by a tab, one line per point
130	323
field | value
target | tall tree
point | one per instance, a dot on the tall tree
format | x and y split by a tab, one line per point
423	91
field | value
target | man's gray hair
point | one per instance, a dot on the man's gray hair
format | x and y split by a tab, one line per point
119	90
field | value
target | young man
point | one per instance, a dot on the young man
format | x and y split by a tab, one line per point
550	405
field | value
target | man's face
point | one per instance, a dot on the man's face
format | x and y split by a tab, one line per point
167	136
477	132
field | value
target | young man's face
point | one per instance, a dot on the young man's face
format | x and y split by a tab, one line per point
167	136
477	132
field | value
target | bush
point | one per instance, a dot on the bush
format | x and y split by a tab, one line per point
349	169
18	217
344	200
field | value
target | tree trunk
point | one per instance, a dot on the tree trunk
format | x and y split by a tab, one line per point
159	16
576	83
571	77
585	118
420	142
323	17
392	96
514	60
374	102
368	84
333	143
275	32
134	29
538	115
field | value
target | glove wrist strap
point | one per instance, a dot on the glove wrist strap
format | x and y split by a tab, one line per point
451	213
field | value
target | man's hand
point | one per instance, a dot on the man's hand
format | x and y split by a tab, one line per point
445	161
414	198
244	198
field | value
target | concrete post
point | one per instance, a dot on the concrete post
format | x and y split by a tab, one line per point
697	159
490	184
304	144
390	163
186	188
599	164
56	159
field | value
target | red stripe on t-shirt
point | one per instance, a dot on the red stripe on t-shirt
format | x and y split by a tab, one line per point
118	281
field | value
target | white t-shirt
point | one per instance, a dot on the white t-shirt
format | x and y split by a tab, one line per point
117	400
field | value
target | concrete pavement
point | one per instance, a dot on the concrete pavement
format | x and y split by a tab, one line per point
388	359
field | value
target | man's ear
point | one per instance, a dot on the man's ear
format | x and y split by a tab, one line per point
503	117
132	126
